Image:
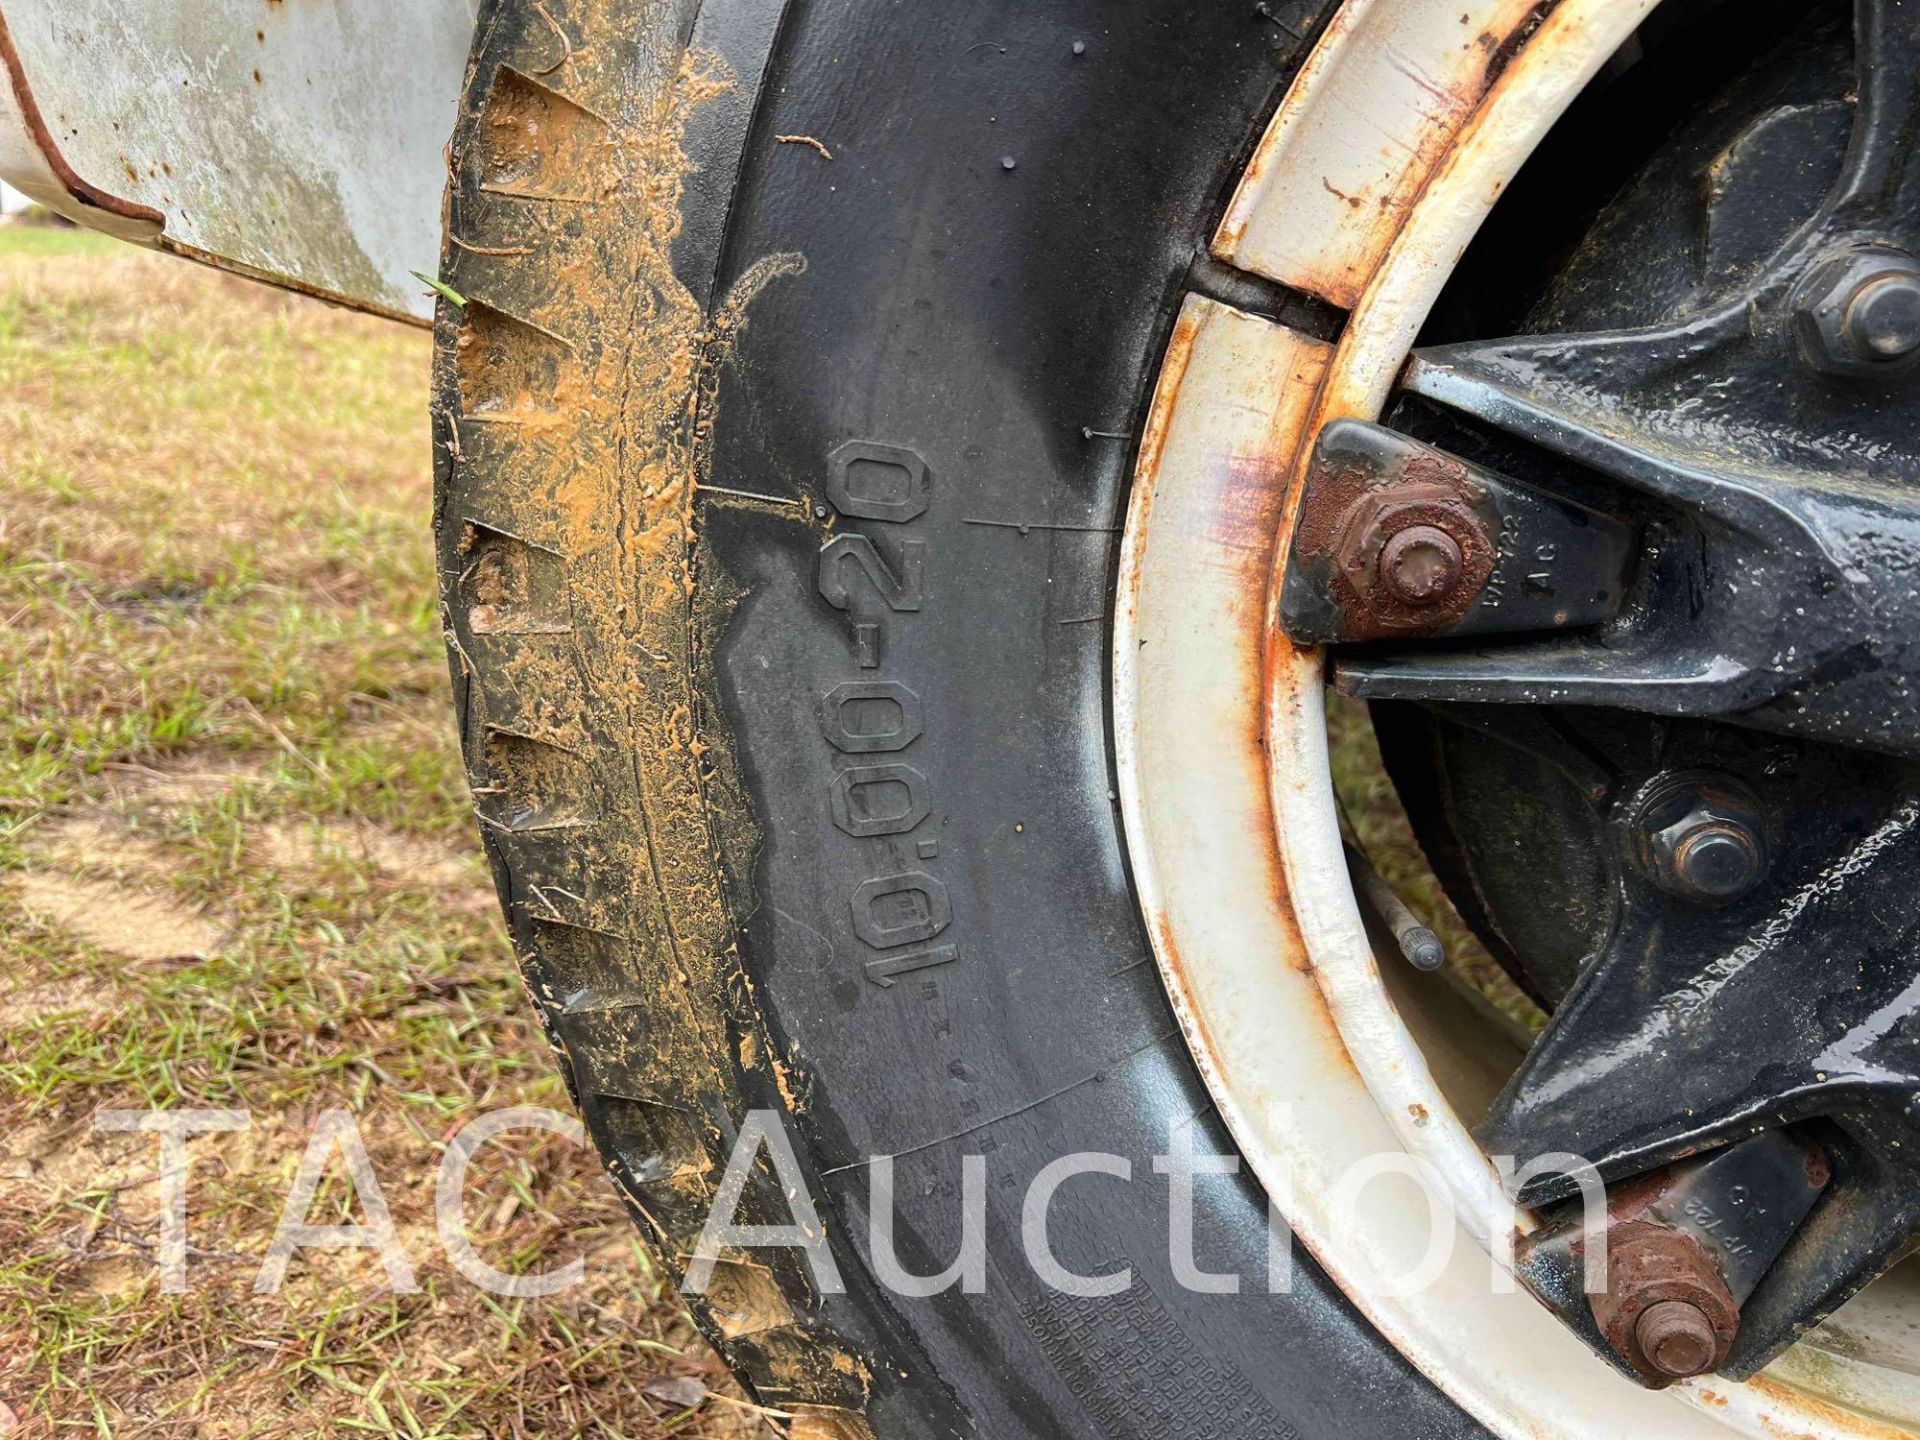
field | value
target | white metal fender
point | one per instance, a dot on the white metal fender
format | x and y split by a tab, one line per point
297	143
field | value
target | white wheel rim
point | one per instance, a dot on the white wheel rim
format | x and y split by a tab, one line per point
1221	738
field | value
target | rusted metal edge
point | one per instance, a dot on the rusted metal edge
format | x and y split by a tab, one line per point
89	205
83	191
289	282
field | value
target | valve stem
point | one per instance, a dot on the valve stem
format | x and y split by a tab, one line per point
1420	946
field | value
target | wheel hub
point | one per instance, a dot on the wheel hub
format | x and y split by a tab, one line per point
1701	609
1321	1049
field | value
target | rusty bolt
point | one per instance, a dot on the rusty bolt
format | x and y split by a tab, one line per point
1414	549
1677	1338
1701	837
1420	564
1858	313
1666	1310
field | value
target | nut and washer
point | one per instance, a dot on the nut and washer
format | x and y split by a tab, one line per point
1857	313
1665	1311
1414	554
1699	836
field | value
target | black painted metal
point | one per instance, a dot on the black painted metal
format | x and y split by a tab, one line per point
1550	564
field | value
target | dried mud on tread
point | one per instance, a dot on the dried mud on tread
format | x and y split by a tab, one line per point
575	384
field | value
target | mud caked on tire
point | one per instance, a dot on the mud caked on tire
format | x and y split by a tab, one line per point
782	435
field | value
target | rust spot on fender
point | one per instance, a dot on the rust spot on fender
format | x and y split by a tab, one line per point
83	193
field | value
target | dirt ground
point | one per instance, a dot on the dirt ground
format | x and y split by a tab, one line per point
237	871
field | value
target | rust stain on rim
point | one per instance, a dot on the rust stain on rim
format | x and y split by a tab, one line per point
1802	1407
1254	492
1377	206
1173	370
1174	968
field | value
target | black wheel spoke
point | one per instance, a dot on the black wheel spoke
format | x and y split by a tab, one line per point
1700	1024
1879	182
1773	587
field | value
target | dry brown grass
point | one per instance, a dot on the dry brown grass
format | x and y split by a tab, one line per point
237	870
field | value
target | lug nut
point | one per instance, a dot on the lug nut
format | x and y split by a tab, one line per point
1420	564
1677	1338
1700	836
1666	1310
1413	553
1858	313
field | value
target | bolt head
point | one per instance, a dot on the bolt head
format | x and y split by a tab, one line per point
1677	1338
1884	317
1717	860
1858	313
1420	564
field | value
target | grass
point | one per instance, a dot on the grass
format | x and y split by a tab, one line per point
237	870
40	236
